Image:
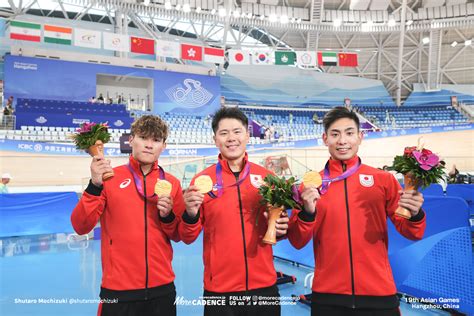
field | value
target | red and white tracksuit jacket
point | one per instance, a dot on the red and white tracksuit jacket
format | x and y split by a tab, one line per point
350	238
136	248
235	259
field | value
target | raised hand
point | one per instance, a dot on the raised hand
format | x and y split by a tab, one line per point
193	200
310	197
411	200
164	205
99	166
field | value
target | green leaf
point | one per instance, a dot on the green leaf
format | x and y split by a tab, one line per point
278	192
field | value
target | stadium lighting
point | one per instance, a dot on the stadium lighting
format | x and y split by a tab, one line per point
262	17
167	5
391	21
272	18
337	22
468	42
284	19
425	40
298	20
222	12
178	7
186	8
293	20
213	11
236	14
454	44
409	22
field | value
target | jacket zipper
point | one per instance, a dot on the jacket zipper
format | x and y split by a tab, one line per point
243	237
349	236
146	236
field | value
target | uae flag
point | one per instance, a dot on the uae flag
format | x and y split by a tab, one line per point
327	59
238	57
306	58
141	45
191	52
25	31
348	60
57	34
213	55
285	58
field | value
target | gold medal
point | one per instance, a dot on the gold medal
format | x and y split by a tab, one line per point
163	187
203	183
312	179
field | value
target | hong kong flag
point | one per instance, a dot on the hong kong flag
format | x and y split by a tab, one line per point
191	52
142	45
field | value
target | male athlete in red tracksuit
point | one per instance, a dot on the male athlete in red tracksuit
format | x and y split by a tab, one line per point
136	226
352	271
236	262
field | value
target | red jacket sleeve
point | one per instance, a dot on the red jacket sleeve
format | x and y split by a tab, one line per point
300	228
171	223
190	228
413	228
88	210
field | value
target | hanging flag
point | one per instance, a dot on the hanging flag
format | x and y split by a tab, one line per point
168	49
142	45
57	34
306	59
285	58
348	60
24	31
327	59
191	52
238	57
117	42
262	58
87	38
214	55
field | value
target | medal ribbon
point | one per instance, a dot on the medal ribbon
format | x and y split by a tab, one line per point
219	186
327	181
138	183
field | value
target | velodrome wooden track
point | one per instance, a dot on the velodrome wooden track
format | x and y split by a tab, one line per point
37	170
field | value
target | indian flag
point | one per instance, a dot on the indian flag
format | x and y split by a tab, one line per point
25	31
57	34
327	59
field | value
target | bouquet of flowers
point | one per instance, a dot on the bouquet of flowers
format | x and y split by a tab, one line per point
91	134
91	137
278	194
420	168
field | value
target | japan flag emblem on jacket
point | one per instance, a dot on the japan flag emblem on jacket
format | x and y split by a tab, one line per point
256	180
366	180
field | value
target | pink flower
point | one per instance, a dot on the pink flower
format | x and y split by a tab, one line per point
426	159
296	194
86	128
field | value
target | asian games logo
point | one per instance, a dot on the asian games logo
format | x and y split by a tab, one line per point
192	95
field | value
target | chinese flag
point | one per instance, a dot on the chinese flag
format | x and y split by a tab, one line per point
191	52
348	60
142	45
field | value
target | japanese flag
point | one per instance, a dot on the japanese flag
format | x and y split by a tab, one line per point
238	57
